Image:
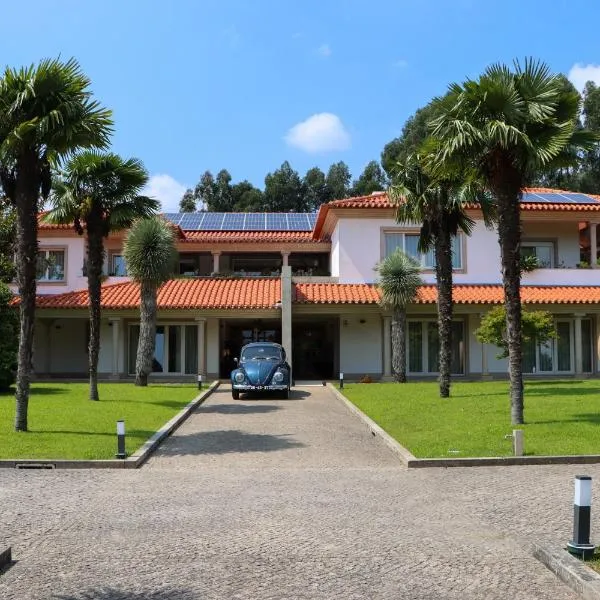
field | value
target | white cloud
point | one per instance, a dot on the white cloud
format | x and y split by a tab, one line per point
580	74
166	189
322	132
324	50
401	63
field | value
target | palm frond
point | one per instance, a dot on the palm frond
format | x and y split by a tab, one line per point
400	279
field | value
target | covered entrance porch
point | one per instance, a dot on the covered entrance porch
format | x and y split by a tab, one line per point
314	344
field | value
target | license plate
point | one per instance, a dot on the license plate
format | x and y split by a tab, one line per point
258	387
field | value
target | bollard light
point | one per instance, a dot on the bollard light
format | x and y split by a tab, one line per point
121	440
582	504
341	381
199	382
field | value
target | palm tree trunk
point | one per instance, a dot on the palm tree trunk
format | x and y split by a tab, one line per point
443	273
26	200
399	344
147	341
95	263
509	234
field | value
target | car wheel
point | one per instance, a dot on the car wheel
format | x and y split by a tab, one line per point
235	394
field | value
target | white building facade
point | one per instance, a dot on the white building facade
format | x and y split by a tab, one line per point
309	282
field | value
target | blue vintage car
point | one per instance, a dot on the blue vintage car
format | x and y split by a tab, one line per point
262	368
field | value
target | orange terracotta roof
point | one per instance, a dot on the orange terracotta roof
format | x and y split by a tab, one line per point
180	294
336	293
303	237
263	293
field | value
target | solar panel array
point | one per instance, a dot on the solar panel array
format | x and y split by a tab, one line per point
560	198
210	221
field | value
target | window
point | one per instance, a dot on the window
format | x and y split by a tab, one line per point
117	266
175	352
423	347
408	242
543	251
558	355
51	265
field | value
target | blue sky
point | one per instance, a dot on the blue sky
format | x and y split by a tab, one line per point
247	84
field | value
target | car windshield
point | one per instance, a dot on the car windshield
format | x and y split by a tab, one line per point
261	353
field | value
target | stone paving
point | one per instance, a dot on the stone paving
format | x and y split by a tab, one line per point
276	499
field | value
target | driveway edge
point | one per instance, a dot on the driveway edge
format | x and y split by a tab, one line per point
569	570
137	459
403	454
412	462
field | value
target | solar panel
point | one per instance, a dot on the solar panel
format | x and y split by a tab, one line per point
190	220
276	222
207	221
172	217
233	222
298	222
559	198
581	198
212	221
255	222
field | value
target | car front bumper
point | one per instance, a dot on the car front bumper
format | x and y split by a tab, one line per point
272	387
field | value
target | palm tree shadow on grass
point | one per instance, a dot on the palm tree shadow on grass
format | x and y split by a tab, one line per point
593	418
226	442
107	593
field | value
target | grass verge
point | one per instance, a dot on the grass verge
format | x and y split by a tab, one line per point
562	417
63	423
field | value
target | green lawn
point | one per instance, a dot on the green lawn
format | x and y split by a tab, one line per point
562	417
63	423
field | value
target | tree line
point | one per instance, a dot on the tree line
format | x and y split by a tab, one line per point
285	190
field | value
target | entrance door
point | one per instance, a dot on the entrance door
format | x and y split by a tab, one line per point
313	350
236	335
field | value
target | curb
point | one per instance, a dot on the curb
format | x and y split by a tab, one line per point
569	570
136	460
140	456
412	462
405	456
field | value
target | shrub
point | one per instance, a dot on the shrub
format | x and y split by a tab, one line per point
9	338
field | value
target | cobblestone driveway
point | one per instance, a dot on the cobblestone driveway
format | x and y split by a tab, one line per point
281	499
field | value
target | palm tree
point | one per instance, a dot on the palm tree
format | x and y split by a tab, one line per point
439	204
150	256
46	113
507	126
399	284
99	193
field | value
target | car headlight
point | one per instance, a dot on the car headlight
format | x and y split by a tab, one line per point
278	377
239	377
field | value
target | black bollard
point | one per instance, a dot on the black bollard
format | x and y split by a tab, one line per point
121	440
341	381
582	503
199	382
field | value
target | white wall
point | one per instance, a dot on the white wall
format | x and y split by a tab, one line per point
66	351
334	260
361	345
357	248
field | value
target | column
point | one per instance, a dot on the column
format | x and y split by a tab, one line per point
115	326
578	348
387	346
286	312
596	348
285	256
201	353
216	256
593	245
